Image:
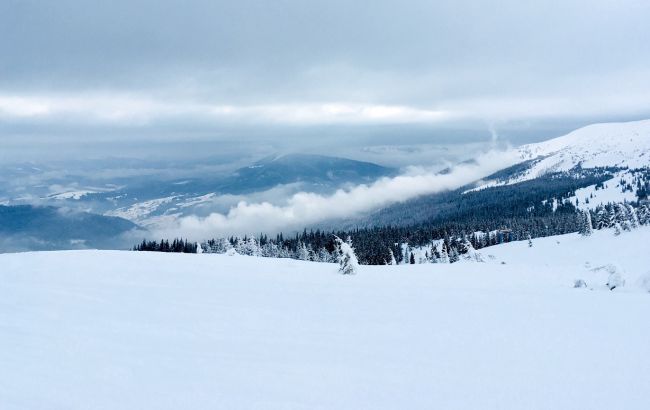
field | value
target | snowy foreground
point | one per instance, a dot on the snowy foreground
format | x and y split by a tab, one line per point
126	330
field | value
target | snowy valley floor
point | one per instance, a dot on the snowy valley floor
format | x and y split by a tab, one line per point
126	330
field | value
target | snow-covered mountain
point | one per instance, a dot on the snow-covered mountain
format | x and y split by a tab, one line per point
615	145
623	145
623	149
594	165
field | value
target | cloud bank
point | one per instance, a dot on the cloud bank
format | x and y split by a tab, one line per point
303	209
129	71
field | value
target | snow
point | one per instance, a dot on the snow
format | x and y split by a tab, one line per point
134	330
198	200
73	194
622	144
611	193
140	211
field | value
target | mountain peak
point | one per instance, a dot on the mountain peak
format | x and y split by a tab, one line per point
623	144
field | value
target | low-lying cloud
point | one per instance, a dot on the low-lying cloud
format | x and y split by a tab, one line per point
303	209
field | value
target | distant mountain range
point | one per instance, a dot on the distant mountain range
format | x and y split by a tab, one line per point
315	172
593	165
201	195
26	227
100	215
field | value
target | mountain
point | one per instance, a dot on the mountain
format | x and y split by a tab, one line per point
315	172
26	227
610	145
588	167
200	196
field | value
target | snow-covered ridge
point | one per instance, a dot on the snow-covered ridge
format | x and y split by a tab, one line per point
622	145
599	145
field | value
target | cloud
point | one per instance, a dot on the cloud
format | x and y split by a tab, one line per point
128	109
303	209
212	69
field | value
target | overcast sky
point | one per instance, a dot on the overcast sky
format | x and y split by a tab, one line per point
314	75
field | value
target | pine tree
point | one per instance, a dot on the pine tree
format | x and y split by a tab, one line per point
622	217
444	255
632	216
453	255
586	228
348	262
303	252
392	260
643	213
435	253
601	218
611	217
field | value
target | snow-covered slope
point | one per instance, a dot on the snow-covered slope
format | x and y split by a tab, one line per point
599	145
127	330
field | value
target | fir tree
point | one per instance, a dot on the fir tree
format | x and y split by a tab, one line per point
586	228
348	262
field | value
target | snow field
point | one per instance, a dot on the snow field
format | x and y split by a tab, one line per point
108	329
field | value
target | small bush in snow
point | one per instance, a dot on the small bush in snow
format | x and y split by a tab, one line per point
615	280
579	283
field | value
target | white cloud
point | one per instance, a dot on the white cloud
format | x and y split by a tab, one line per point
130	109
304	208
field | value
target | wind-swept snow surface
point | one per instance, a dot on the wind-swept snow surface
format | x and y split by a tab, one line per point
127	330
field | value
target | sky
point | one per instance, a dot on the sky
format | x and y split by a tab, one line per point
355	78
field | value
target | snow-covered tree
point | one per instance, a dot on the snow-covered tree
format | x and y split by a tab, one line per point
270	250
601	218
406	254
348	263
253	247
247	246
324	256
392	260
453	255
469	253
444	255
302	252
435	253
632	216
615	279
586	228
220	245
643	213
622	217
611	217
